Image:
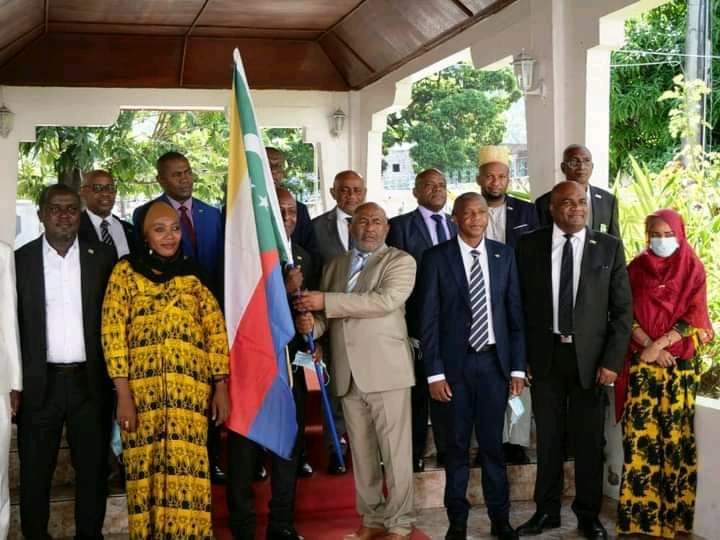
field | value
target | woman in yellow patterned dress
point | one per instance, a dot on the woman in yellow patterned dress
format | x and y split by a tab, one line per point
657	494
166	350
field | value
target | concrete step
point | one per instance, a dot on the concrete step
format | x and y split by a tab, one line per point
62	512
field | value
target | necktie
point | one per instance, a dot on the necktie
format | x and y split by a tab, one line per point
350	242
358	263
565	291
105	232
478	304
439	228
187	227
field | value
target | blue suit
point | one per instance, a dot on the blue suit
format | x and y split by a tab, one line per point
478	380
209	233
521	217
409	232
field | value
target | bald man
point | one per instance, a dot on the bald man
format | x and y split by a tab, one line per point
361	303
303	234
415	232
602	206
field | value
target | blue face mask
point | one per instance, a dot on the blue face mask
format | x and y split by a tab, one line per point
664	247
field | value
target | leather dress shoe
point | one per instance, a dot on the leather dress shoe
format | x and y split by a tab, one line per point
305	470
592	528
537	524
419	465
282	534
515	454
365	533
503	530
456	532
261	473
217	475
334	466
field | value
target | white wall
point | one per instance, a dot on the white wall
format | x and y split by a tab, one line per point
34	106
707	429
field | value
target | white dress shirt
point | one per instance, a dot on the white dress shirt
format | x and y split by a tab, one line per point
497	219
115	229
63	305
467	258
431	225
588	198
342	227
578	246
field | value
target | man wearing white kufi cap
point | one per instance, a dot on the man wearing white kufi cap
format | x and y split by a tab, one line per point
508	219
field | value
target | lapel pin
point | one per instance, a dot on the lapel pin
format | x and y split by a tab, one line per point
91	251
593	241
509	207
598	196
497	255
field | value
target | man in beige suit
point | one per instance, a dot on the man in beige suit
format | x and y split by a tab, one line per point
10	375
362	306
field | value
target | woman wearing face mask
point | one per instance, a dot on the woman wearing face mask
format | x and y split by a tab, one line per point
166	350
657	391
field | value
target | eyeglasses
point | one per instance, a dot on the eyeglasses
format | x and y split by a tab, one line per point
99	188
575	163
56	210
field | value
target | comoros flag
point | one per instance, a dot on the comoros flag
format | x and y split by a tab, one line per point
258	316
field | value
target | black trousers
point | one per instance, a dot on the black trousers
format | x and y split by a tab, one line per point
478	401
242	461
562	405
87	423
422	403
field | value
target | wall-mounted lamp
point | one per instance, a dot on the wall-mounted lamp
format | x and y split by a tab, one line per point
7	118
338	122
524	67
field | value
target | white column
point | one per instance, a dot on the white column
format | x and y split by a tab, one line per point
8	187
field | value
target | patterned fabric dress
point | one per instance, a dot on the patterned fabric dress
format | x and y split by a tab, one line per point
657	495
169	340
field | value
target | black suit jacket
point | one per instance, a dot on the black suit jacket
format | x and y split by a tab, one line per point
604	211
303	233
446	315
520	218
603	304
410	233
326	234
96	264
88	233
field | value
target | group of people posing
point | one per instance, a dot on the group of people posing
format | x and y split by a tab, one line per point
501	311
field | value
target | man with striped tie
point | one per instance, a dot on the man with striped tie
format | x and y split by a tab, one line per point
97	223
473	345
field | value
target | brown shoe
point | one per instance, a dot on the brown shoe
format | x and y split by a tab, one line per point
365	533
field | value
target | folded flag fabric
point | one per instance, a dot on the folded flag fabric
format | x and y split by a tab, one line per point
259	320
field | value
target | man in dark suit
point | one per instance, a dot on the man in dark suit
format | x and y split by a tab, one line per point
97	222
415	232
508	219
243	453
60	286
332	233
602	206
203	238
473	346
578	313
303	234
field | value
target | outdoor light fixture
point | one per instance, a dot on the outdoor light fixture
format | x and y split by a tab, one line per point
338	122
7	118
524	67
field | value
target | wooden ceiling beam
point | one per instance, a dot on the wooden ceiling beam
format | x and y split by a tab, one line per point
341	20
185	42
463	7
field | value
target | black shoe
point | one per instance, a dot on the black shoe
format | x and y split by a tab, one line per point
305	470
440	459
334	466
217	475
515	454
419	465
503	530
592	528
282	534
537	524
261	473
456	532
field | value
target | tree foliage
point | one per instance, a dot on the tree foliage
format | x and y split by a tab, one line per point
129	148
452	113
638	122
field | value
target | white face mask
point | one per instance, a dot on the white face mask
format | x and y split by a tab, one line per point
664	247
